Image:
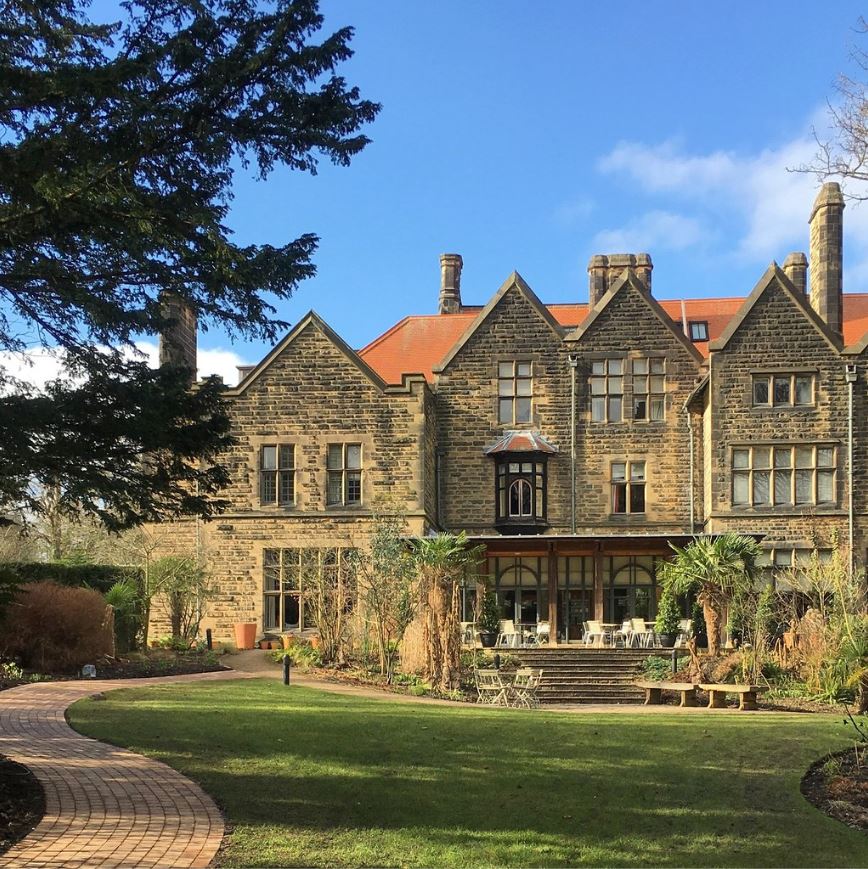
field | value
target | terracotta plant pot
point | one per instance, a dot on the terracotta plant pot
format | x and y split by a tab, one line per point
288	640
245	635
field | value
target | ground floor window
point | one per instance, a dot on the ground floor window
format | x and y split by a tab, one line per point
290	577
629	588
575	595
521	586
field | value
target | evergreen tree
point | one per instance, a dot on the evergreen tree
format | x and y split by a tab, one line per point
116	164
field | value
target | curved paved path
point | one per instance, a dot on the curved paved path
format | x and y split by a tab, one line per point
105	806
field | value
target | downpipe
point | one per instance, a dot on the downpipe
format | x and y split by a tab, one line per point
851	376
574	364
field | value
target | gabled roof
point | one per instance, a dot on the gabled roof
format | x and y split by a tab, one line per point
314	319
774	274
521	442
628	279
516	282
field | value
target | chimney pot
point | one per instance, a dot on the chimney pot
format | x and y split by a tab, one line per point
450	283
827	255
796	269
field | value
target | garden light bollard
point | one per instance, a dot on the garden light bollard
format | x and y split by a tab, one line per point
674	662
286	665
209	640
497	662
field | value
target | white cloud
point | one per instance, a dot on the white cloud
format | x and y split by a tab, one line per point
652	230
38	365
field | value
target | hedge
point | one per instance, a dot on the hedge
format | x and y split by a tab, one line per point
98	576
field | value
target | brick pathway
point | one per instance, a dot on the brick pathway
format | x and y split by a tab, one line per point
105	806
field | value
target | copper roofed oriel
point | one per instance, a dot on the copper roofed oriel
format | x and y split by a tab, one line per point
521	442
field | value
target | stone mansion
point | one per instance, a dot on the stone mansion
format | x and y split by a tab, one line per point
575	441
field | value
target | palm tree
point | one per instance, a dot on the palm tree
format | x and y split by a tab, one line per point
441	561
717	569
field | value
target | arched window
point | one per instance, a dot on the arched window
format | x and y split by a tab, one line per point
520	499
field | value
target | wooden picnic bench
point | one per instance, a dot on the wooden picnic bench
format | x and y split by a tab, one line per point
654	692
746	695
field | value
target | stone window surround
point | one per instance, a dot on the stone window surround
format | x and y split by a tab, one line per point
626	357
788	373
345	470
255	444
523	359
789	370
280	472
783	507
628	461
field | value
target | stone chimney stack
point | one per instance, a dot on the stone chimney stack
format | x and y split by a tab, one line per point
450	283
827	255
178	340
796	269
604	270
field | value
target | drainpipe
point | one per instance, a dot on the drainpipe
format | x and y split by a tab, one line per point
850	375
574	363
691	480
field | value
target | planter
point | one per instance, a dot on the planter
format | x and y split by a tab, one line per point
288	640
245	635
488	640
667	641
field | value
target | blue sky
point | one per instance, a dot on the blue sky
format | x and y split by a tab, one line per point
531	136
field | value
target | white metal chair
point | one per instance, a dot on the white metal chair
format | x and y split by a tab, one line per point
643	637
525	687
624	634
508	636
542	634
685	627
468	633
595	635
490	688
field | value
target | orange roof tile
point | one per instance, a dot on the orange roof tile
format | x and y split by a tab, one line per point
418	343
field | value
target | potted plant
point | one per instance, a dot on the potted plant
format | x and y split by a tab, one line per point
488	623
668	617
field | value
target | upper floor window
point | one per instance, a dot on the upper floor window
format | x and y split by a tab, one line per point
783	390
628	487
698	330
766	476
514	392
607	390
277	474
649	387
521	491
344	471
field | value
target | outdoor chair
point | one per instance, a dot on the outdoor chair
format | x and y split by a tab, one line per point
508	636
595	635
685	627
525	687
468	633
543	633
490	688
624	634
643	637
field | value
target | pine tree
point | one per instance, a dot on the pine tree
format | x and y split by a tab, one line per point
116	165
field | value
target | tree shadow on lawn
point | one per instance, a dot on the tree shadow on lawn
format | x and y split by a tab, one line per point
384	782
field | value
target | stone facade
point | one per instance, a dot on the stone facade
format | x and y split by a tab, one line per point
428	442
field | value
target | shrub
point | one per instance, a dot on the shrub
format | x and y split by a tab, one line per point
301	653
668	614
56	628
657	669
99	576
124	599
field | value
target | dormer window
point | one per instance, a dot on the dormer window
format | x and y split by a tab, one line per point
698	330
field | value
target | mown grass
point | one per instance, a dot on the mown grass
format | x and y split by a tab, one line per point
311	778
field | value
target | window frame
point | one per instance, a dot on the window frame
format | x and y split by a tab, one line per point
629	486
279	476
505	479
607	377
771	379
346	475
655	368
512	383
790	473
701	323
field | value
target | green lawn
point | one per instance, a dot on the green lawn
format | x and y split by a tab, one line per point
311	778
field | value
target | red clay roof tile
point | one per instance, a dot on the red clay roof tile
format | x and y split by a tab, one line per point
418	343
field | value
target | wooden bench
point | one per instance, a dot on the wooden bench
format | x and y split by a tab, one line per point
746	695
654	690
